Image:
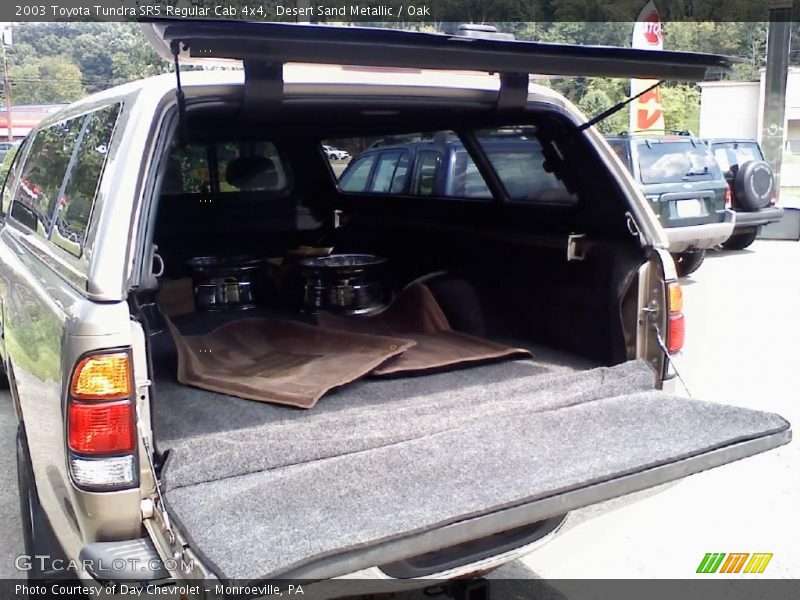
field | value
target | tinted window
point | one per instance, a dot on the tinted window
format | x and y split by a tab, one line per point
43	174
272	179
620	148
400	175
721	156
673	162
187	170
516	155
428	163
383	179
356	177
204	168
83	177
734	155
13	159
467	181
440	166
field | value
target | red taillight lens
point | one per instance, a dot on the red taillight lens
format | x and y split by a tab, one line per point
728	198
677	333
101	428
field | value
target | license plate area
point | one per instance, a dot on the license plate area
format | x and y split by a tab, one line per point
692	207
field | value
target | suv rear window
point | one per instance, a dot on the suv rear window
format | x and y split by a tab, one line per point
673	162
735	154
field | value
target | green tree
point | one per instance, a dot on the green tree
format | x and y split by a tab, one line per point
596	101
681	105
7	160
52	79
107	54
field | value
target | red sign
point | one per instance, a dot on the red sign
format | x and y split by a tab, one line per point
652	28
647	117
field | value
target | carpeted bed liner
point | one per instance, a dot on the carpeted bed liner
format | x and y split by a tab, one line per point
265	523
383	461
390	420
181	412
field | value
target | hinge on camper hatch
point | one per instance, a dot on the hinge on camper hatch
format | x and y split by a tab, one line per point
513	94
263	87
576	248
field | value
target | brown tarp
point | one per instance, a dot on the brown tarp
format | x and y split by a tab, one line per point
416	315
279	361
176	296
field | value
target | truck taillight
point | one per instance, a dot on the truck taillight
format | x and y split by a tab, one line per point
101	417
101	428
102	377
676	323
728	197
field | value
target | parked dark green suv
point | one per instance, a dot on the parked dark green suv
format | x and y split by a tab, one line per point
686	189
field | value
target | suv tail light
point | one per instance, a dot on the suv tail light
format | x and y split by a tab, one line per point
676	323
101	434
728	197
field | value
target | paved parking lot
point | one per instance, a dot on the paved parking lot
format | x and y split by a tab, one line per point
743	327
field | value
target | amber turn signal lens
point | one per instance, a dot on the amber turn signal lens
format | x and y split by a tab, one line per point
102	377
675	297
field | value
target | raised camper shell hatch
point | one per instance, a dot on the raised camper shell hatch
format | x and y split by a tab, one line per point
278	43
501	450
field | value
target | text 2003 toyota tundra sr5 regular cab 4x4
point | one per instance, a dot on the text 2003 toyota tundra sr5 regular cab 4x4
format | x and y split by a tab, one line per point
421	384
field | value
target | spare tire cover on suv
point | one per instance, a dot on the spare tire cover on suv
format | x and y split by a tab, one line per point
753	185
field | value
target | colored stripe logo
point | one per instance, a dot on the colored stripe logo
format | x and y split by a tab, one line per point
720	562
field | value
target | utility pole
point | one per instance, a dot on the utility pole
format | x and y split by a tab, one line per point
6	35
775	76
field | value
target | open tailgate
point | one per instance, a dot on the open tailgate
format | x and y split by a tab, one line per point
380	486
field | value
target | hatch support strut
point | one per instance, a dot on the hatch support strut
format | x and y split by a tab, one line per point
617	107
175	48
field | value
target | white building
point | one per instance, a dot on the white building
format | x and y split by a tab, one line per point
736	109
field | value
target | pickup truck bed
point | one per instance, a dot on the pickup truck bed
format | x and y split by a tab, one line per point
386	469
